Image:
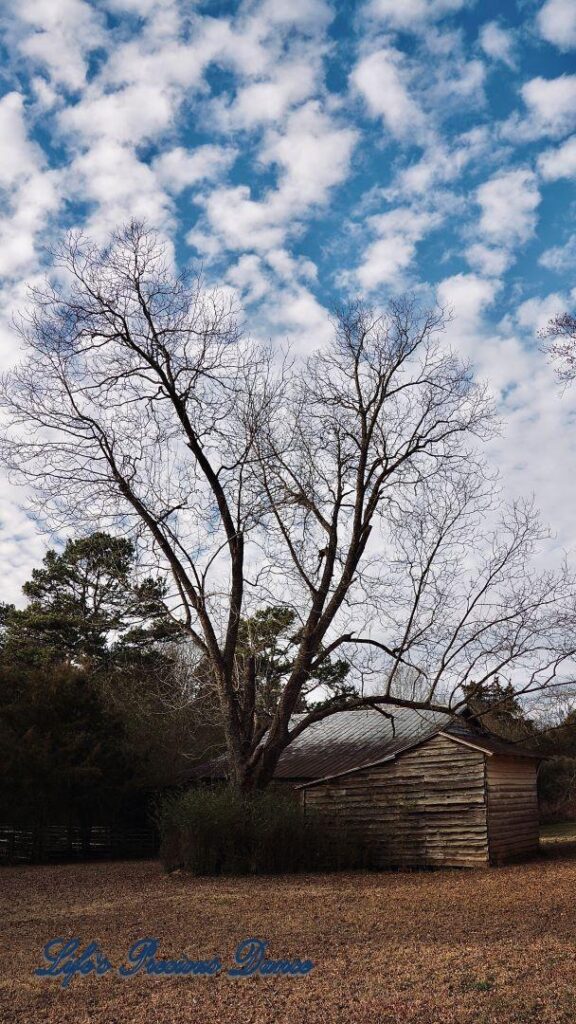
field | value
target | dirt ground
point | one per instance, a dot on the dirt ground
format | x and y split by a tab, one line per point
421	948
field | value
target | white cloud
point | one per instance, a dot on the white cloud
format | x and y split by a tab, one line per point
468	295
560	257
441	162
118	187
30	190
240	222
58	35
387	258
411	15
169	55
312	155
536	312
21	545
559	163
551	104
307	15
382	81
45	94
508	202
486	260
535	419
296	311
18	155
134	114
141	7
268	101
249	277
458	80
498	43
556	22
290	309
178	168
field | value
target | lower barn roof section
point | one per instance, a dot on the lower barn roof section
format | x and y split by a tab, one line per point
348	741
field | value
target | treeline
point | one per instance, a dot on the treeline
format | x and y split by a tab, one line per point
103	704
97	714
103	708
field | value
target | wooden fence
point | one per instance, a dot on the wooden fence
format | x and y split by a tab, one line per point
49	843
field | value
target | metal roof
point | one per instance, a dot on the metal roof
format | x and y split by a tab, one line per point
354	739
483	740
350	740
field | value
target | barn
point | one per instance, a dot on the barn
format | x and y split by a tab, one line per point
418	789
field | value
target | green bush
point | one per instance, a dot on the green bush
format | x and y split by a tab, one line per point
557	789
221	832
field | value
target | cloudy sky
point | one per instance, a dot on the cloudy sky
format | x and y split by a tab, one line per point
304	151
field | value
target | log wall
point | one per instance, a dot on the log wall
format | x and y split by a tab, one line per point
425	808
513	829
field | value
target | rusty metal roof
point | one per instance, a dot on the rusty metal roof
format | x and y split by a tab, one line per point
350	740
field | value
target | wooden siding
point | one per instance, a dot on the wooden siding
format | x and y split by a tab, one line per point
512	808
425	808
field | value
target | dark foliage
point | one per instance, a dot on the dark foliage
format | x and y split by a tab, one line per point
221	832
495	706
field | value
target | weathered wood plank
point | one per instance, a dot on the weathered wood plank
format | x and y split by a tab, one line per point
512	808
427	807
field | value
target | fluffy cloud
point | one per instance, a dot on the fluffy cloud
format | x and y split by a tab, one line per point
488	260
31	191
559	163
560	257
441	163
21	545
509	201
388	257
551	104
311	155
179	168
468	295
498	43
18	155
303	163
58	36
267	101
290	306
535	313
411	15
556	22
383	82
534	419
135	114
117	187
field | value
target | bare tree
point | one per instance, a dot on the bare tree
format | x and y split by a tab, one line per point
346	487
560	338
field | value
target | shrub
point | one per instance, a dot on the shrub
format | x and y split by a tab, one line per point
219	832
557	789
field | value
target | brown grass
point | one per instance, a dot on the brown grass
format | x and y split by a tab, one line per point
497	945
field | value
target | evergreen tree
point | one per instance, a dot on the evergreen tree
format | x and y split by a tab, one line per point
85	606
495	706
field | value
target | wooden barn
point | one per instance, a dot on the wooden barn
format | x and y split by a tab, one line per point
421	789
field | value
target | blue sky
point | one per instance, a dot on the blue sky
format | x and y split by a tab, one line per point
303	152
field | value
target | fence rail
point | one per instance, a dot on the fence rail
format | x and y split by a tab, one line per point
48	843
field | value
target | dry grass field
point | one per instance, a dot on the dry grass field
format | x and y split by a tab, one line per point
440	947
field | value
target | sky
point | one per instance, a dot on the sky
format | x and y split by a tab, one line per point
304	152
